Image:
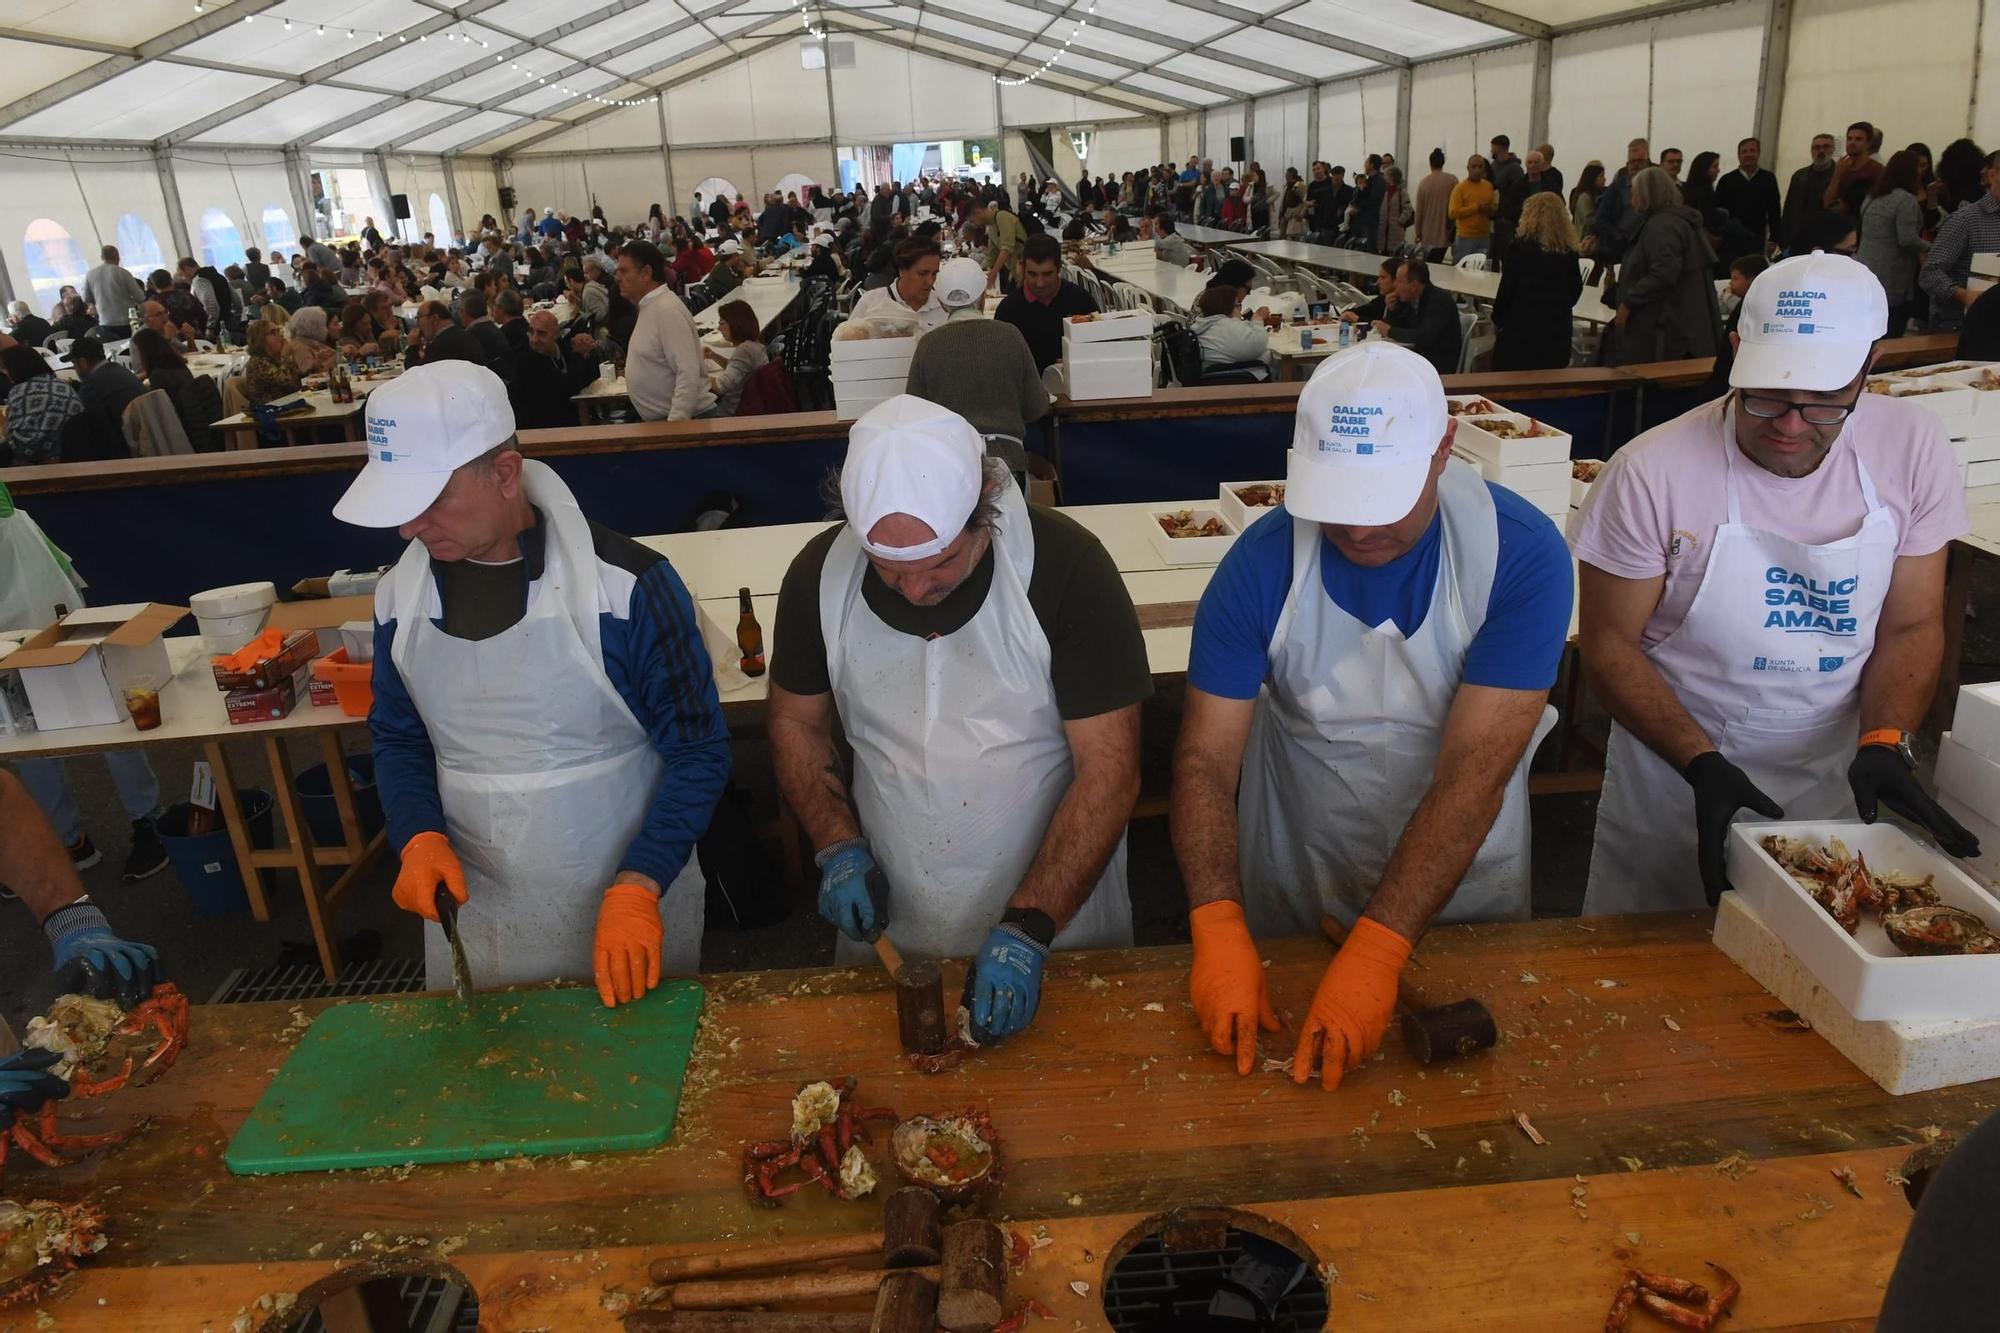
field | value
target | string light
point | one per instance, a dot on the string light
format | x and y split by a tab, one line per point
805	21
1057	54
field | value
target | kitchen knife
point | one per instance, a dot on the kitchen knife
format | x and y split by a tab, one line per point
461	975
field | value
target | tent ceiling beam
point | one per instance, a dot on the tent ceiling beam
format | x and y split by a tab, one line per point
1636	14
322	74
85	79
1014	57
1110	99
1490	16
1276	22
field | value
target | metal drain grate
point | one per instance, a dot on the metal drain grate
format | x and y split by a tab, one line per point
1150	1288
380	976
430	1305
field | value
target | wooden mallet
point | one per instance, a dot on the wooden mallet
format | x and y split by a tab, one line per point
909	1238
1433	1034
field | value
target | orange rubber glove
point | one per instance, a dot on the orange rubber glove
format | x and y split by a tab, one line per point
1352	1007
1227	984
428	861
627	953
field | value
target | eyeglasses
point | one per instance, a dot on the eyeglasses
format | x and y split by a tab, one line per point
1813	414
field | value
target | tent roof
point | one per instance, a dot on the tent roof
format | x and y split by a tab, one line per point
480	75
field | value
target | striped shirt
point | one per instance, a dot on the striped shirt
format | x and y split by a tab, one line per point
1973	230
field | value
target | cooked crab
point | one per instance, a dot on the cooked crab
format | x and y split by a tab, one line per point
1938	928
40	1244
953	1155
825	1128
99	1042
1660	1293
1912	916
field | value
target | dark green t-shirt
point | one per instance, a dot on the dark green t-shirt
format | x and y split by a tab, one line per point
1097	653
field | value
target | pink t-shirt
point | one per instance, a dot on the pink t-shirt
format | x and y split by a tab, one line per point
1655	507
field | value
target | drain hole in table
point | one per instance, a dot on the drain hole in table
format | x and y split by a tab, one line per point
1212	1270
430	1298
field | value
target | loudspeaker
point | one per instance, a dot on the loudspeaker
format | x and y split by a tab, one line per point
1236	153
399	204
506	199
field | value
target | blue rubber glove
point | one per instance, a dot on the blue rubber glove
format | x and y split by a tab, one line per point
844	897
26	1085
1005	984
96	962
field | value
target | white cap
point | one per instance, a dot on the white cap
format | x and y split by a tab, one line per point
960	282
1369	423
1808	323
730	247
422	425
910	456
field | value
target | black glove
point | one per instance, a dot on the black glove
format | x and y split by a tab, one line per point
1720	790
25	1084
1878	773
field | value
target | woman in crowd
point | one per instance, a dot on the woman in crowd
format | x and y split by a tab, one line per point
38	407
1397	212
311	352
270	373
197	402
1958	171
1257	199
1667	307
737	323
1473	204
1292	208
656	223
357	332
1583	199
1892	226
1539	285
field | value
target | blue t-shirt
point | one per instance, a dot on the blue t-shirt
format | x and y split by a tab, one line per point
1518	648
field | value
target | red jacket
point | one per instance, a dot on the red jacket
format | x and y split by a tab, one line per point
693	263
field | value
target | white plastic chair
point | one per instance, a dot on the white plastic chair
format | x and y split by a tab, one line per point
1475	349
1473	262
62	347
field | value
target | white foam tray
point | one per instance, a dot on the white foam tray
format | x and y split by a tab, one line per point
1189	550
1551	447
1975	722
1234	511
1869	977
1579	490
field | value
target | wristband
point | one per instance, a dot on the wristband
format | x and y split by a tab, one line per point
1033	922
73	918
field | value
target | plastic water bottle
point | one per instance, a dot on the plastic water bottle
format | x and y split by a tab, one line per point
1346	334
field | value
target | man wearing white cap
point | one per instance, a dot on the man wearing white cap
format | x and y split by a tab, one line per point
987	667
1763	596
980	368
548	744
1369	672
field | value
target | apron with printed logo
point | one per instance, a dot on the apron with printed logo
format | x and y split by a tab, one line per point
1783	624
544	773
1346	733
960	758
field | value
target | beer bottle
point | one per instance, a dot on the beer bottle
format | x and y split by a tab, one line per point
749	636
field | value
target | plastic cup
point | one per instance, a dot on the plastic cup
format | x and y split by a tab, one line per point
144	706
607	371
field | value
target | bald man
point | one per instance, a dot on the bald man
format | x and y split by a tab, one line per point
549	375
154	315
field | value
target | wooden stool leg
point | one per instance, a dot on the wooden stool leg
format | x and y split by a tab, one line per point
343	792
300	852
231	811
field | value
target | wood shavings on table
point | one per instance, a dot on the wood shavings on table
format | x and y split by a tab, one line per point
1425	1139
1528	1128
1671	1026
1845	1175
1736	1166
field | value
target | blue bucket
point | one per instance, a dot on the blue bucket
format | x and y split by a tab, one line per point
206	863
322	815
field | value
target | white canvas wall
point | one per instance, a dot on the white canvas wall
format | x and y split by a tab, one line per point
767	97
1037	105
1906	67
41	186
1224	122
420	177
478	190
240	185
892	95
1600	97
1358	117
1441	114
1705	84
1279	133
117	190
1184	136
1117	149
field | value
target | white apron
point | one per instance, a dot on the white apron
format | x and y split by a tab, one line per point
33	582
1345	738
544	773
1768	663
960	758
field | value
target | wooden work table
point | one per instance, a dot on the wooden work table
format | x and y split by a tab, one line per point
1417	1186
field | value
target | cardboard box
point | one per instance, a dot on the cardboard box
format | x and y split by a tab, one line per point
1109	326
320	691
77	670
17	718
301	646
269	703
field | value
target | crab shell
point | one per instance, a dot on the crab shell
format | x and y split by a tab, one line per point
77	1027
906	1150
1939	928
41	1243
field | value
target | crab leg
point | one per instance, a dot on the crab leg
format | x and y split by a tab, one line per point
818	1172
1677	1287
1622	1303
81	1087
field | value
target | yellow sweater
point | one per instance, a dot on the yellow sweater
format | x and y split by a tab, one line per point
1469	200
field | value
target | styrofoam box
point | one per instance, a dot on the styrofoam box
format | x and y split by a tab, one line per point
1975	448
1109	327
1237	513
1189	550
1975	723
1121	380
847	409
1138	351
854	385
1950	403
1971	777
1580	490
1868	975
1552	446
1985	472
1463	400
1934	369
1986	404
841	350
1519	476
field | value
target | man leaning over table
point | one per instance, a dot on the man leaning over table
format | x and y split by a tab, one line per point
984	661
1368	676
548	742
1763	595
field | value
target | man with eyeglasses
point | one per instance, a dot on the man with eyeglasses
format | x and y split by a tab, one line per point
1762	597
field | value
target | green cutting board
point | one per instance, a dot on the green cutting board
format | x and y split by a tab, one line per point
424	1079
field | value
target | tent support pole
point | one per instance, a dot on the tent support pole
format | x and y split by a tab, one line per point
1249	132
1402	116
295	176
667	159
1538	97
1312	129
1771	66
453	210
170	193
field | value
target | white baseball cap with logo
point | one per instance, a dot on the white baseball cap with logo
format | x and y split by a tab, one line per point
1369	424
910	456
421	426
730	247
960	282
1808	323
